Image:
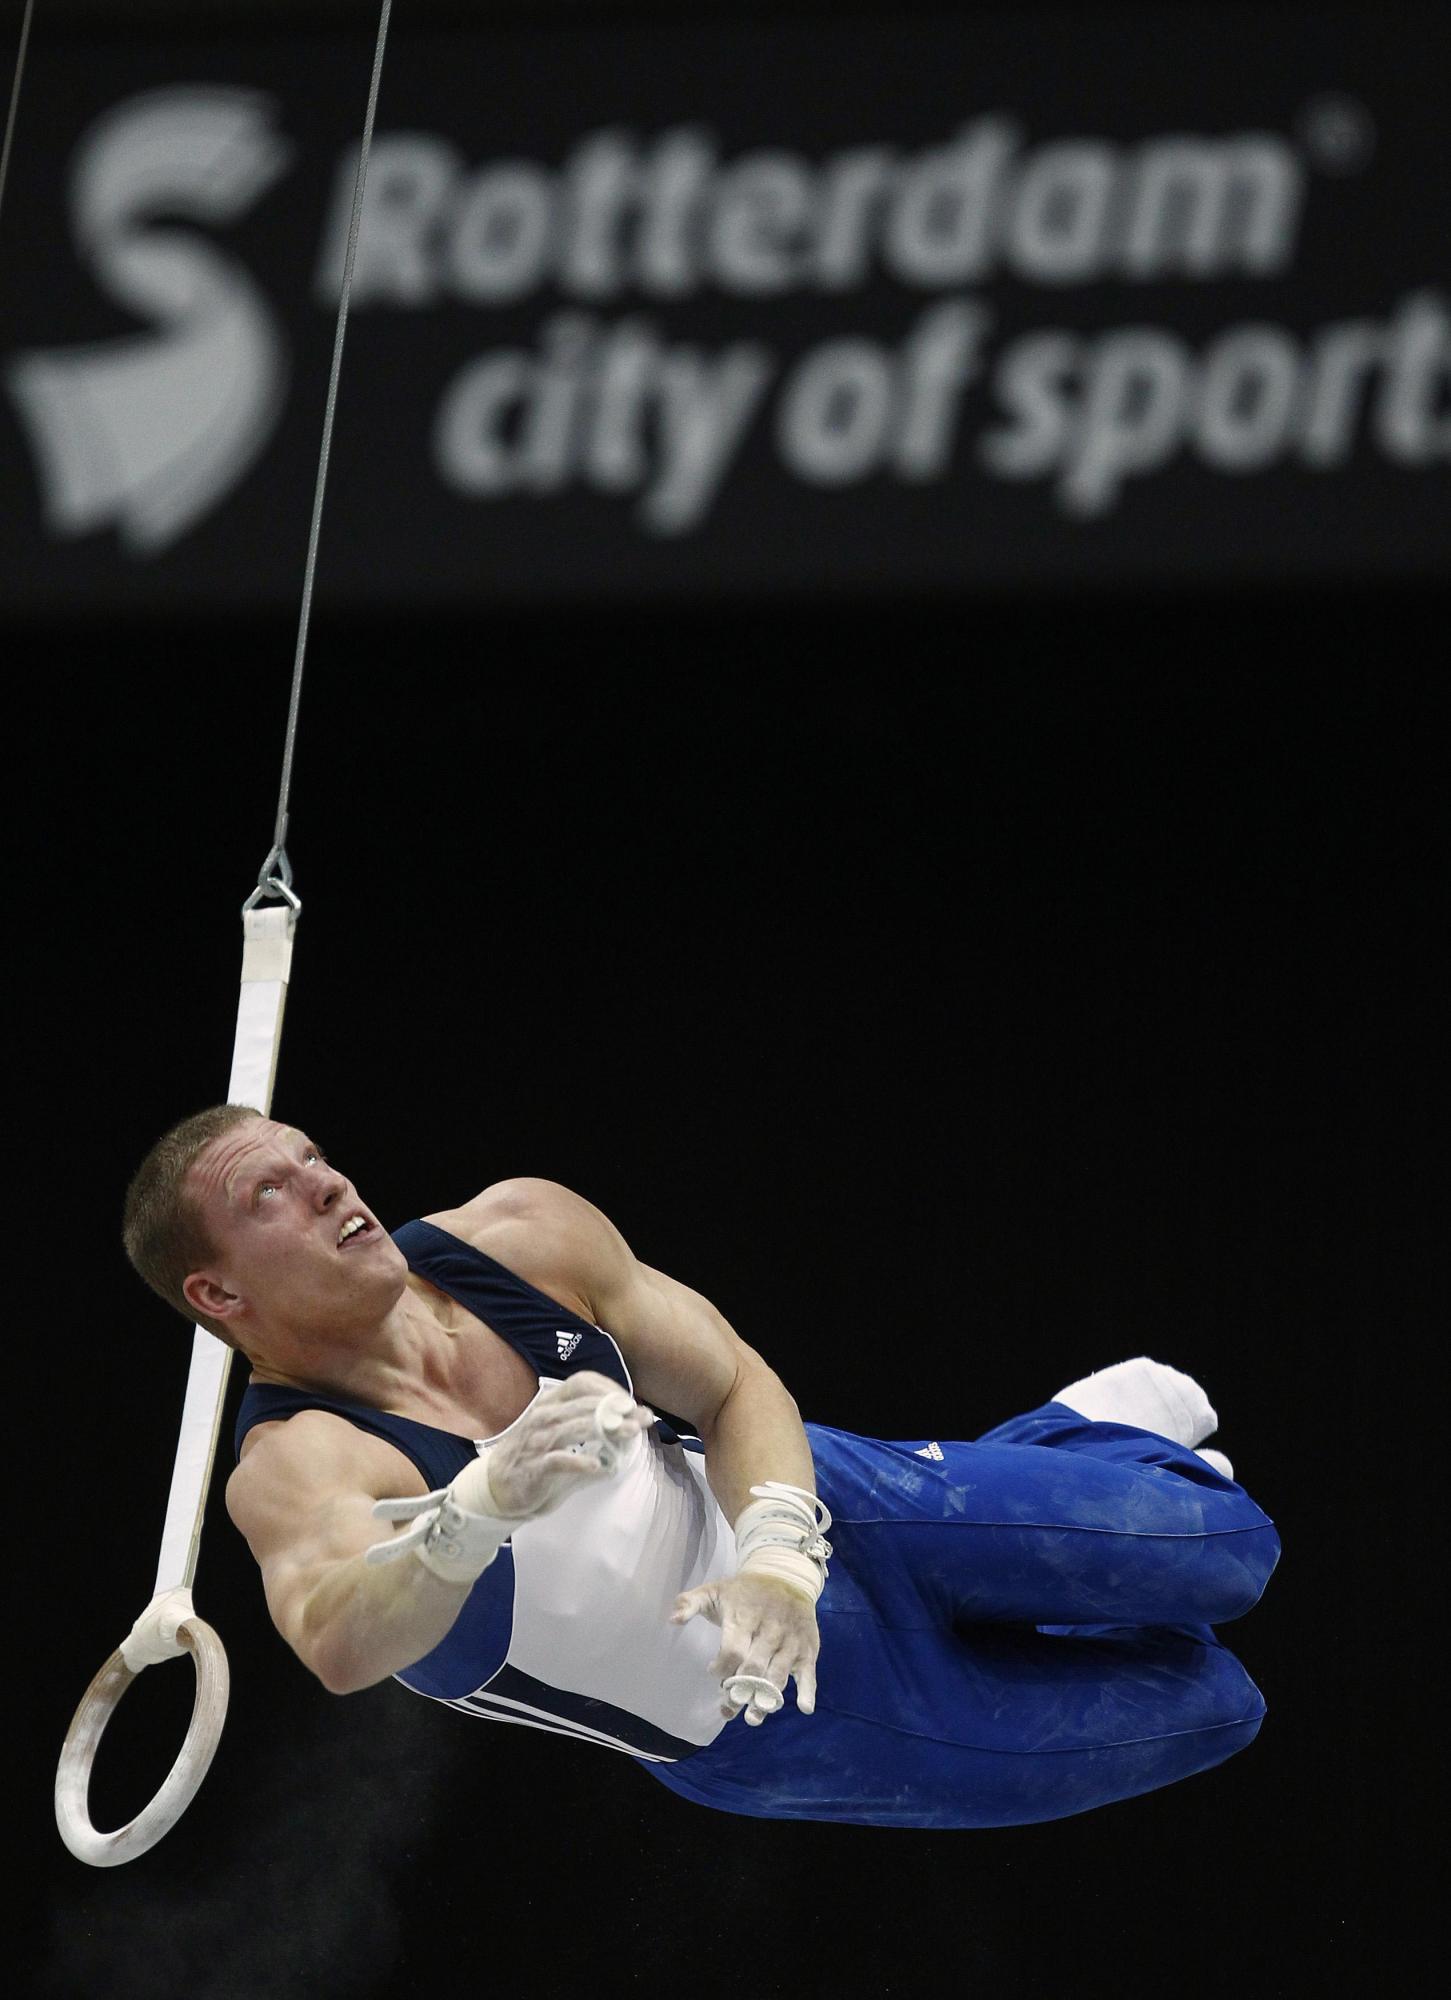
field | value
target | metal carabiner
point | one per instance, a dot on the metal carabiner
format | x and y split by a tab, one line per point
274	885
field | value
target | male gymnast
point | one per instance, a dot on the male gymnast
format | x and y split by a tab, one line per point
1016	1629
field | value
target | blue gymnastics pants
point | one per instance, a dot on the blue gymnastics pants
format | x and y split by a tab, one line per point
1017	1631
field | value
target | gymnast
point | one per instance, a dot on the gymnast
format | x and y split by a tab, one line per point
445	1476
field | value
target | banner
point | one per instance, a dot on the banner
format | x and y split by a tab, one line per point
1006	300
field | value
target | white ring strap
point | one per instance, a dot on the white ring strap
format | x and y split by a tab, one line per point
266	967
169	1627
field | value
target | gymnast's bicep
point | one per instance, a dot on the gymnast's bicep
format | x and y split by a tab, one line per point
303	1498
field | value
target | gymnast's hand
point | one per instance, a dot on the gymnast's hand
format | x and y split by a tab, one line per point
567	1436
768	1632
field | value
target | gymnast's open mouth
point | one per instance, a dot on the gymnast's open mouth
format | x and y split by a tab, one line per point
350	1233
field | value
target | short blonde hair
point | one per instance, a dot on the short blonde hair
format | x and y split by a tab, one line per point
161	1228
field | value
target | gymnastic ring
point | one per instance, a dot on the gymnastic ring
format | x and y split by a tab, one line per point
78	1753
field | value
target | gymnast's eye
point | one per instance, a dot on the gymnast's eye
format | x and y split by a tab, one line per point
270	1187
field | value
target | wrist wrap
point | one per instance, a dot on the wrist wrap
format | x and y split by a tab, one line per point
456	1541
778	1534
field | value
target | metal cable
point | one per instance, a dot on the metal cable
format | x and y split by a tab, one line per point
276	874
15	97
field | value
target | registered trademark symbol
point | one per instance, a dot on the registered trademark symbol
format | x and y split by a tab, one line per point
1337	132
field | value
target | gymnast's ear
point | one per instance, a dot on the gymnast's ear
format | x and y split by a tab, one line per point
208	1298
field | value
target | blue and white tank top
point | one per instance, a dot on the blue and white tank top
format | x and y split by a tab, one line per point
567	1630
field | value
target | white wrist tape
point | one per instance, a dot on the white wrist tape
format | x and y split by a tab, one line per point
457	1530
779	1535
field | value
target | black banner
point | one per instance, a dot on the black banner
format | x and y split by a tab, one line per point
690	309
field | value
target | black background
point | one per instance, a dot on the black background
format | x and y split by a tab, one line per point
964	992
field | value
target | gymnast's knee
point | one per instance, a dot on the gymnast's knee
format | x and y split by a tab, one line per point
1227	1706
1226	1739
1240	1568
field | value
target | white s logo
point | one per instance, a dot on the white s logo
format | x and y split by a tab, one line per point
148	432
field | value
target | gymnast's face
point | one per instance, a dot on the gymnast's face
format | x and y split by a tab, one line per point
276	1211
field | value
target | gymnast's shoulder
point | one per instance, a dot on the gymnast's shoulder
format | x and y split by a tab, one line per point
540	1229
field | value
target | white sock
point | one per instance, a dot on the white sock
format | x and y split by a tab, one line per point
1149	1395
1218	1460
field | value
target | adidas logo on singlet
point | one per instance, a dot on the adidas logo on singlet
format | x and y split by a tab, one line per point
933	1450
568	1342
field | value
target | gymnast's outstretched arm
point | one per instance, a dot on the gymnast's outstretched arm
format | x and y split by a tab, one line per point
303	1496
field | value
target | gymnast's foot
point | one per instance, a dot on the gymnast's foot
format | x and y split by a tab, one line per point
1219	1462
1150	1396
